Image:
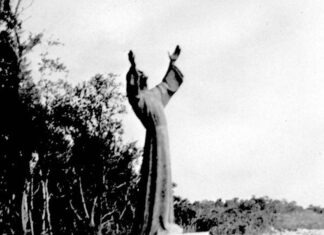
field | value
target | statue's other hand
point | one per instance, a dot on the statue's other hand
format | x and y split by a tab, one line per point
131	58
175	54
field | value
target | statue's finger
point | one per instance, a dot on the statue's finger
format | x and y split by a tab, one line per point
130	54
131	57
177	50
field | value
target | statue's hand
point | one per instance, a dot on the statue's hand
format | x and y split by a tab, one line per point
175	54
131	58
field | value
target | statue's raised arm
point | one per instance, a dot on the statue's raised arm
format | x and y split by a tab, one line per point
172	79
136	79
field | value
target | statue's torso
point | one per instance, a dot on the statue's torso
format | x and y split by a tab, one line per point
148	107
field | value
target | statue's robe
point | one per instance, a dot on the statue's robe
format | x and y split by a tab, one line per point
154	212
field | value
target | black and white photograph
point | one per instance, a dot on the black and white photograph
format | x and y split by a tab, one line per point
151	117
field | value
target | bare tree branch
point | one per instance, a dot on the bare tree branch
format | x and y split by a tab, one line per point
106	215
48	209
23	8
122	214
121	185
82	199
92	223
17	6
75	211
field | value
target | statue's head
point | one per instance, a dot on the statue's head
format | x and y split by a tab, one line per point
136	80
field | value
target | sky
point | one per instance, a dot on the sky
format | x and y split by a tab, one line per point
249	117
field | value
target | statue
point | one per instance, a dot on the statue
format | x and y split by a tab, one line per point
154	212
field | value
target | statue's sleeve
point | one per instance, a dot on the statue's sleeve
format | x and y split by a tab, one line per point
170	83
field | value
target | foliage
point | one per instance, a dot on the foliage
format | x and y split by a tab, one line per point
16	123
316	209
64	167
184	214
88	167
253	216
305	219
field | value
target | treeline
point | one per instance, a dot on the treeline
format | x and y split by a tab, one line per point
64	167
253	216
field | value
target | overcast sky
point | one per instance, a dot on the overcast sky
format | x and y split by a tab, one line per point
249	118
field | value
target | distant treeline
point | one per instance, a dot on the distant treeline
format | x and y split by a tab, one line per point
253	216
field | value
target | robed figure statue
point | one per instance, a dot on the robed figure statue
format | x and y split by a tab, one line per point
154	211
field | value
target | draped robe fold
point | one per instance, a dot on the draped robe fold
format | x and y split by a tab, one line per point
154	212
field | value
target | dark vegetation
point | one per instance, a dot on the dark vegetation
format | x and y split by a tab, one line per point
253	216
65	168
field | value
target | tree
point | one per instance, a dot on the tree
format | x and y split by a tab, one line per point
64	167
184	213
98	163
15	120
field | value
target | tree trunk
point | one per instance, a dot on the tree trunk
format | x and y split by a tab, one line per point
46	216
27	204
27	208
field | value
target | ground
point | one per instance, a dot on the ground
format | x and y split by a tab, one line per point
298	232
